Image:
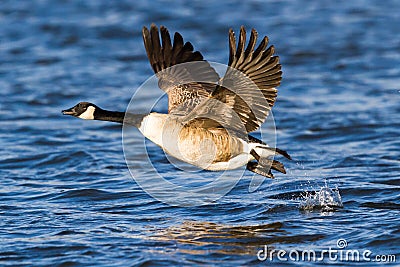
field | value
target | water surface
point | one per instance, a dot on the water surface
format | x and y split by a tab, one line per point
66	195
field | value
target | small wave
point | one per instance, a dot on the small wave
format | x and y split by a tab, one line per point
326	199
87	194
66	159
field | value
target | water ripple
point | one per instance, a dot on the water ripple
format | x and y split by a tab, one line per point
66	195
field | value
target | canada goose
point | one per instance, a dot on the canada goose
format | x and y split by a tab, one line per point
187	132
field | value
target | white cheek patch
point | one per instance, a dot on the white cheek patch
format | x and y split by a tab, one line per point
88	114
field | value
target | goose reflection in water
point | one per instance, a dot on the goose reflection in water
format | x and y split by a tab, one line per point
229	240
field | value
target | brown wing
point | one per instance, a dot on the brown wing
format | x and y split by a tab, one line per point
247	91
249	85
182	72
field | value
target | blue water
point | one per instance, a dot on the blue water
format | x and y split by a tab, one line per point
66	195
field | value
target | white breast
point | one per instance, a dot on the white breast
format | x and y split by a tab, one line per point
164	132
152	127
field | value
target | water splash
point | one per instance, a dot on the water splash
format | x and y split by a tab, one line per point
326	199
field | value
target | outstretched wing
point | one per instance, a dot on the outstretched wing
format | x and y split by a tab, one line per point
248	87
186	84
250	82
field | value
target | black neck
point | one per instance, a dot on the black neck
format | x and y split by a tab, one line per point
117	116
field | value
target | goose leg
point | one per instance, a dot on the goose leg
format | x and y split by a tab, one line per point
260	169
263	166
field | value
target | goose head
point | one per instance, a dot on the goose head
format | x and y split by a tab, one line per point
83	110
